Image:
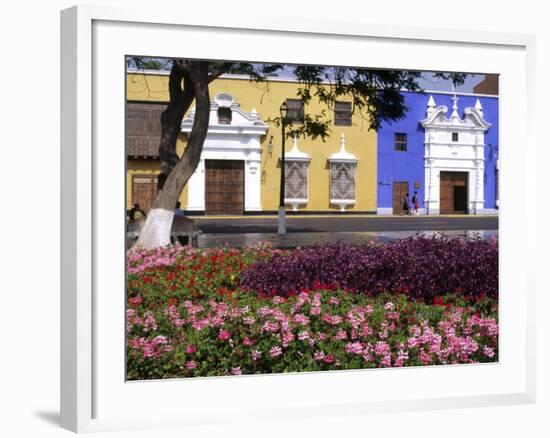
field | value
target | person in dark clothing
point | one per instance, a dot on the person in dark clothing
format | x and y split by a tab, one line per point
415	202
405	204
178	211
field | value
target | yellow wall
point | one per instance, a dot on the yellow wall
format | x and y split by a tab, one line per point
266	98
146	167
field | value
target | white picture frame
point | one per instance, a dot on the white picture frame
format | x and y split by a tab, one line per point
92	238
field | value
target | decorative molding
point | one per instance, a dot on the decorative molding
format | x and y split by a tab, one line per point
342	176
296	176
239	140
442	154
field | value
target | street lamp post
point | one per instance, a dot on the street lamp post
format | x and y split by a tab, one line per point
282	225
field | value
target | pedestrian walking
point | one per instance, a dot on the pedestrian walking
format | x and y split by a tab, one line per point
415	202
405	204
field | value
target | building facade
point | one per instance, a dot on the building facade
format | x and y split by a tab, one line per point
239	171
445	148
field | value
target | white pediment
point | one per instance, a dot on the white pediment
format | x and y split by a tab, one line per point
437	117
241	121
342	155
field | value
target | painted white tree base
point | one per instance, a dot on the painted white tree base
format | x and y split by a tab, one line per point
156	230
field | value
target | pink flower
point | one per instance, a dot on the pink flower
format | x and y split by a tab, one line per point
386	361
247	341
256	354
425	358
319	355
333	320
315	310
303	336
393	315
381	348
488	351
223	335
190	365
354	348
149	323
275	351
270	327
334	301
190	349
329	358
300	319
340	335
236	371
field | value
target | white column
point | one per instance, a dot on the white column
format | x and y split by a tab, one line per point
431	194
195	185
252	181
477	205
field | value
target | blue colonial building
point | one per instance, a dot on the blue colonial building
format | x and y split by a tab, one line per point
446	149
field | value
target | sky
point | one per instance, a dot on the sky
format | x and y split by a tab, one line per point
431	84
428	82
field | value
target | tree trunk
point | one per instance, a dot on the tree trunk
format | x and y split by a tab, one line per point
170	121
158	224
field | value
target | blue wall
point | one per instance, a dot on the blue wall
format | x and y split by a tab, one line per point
409	165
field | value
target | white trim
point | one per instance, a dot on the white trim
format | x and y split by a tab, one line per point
238	141
342	203
296	202
296	155
443	154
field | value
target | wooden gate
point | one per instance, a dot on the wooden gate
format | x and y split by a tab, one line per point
144	189
224	187
453	193
400	188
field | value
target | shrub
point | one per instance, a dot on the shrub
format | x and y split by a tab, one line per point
422	267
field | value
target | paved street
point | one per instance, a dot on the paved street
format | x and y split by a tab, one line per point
311	230
340	223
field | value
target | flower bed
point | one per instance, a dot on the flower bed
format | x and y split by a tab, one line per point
188	315
419	266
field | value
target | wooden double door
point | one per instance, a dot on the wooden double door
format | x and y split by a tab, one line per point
400	189
453	193
224	187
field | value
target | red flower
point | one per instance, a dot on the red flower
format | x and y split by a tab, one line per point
481	297
135	301
438	301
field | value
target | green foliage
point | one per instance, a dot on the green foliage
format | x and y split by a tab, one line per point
375	93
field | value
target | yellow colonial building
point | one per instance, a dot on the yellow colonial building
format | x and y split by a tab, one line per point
239	171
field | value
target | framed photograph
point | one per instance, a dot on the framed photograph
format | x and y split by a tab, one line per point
254	229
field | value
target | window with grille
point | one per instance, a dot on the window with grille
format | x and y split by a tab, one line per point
295	110
342	181
224	116
342	113
455	136
401	142
296	179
